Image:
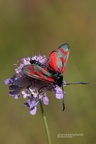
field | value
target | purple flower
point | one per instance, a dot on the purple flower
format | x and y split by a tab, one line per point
59	93
31	88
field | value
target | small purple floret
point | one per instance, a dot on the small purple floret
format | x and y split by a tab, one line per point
59	93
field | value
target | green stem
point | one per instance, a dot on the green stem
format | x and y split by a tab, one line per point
45	123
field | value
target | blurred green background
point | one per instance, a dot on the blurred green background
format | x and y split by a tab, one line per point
31	27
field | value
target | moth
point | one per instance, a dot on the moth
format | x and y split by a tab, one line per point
53	73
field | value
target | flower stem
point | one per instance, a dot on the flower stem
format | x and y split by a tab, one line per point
45	123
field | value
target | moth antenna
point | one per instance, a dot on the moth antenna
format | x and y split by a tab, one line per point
76	83
63	99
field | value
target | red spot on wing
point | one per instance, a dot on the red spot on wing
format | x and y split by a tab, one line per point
63	51
32	73
50	79
31	69
63	60
53	61
40	73
62	69
45	68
